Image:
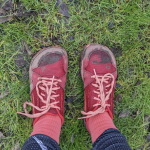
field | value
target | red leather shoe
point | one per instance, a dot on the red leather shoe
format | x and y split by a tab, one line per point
47	73
99	73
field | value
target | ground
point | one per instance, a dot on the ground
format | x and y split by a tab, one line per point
123	26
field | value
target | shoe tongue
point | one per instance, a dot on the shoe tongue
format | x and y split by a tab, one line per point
101	68
55	69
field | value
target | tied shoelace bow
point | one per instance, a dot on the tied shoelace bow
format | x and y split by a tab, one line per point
44	84
102	96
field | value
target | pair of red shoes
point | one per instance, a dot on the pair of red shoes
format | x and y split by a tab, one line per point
48	71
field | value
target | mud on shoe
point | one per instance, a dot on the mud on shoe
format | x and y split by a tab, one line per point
99	73
47	73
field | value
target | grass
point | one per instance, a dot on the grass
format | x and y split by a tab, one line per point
123	26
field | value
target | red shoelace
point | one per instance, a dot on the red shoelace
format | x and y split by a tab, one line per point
46	86
102	95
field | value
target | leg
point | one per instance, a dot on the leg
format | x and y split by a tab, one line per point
111	139
47	74
40	141
99	73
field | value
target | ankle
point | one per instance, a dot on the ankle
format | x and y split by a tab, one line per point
98	124
49	125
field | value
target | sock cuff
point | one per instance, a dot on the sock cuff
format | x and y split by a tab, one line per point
99	123
48	125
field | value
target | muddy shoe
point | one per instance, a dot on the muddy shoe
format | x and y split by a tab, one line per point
47	73
99	73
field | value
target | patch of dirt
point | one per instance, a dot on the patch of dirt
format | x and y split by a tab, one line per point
16	146
148	74
116	50
119	86
110	25
72	138
5	93
69	107
22	60
2	12
138	83
140	148
8	6
5	19
1	135
26	48
118	99
69	99
63	9
25	73
130	72
135	93
115	112
147	122
68	103
10	10
124	113
70	38
148	137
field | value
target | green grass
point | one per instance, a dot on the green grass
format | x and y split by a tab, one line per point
88	23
